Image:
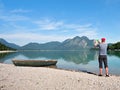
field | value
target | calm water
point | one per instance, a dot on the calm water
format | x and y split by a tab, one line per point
72	60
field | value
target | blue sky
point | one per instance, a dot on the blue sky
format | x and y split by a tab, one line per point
24	21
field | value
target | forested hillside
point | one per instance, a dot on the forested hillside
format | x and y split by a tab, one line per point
3	47
115	46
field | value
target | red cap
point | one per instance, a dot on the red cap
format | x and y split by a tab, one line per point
103	39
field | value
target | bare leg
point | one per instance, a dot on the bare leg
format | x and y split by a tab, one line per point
106	70
100	70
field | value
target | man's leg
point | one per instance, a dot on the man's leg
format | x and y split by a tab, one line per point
100	71
106	70
100	66
106	66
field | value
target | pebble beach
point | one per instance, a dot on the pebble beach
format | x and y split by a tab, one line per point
44	78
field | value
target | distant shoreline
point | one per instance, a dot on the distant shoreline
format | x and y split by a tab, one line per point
7	51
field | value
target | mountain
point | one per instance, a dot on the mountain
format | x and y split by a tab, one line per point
75	43
36	46
4	47
11	45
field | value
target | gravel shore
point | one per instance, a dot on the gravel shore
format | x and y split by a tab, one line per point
42	78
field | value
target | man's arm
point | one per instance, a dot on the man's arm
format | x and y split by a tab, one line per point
96	43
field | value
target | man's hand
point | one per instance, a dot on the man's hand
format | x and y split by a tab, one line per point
96	42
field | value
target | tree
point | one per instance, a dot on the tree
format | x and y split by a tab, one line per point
4	47
114	46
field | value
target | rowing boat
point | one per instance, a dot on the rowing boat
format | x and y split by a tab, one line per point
34	63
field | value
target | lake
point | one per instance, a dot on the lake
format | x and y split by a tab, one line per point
84	60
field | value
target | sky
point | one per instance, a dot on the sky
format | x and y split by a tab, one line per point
41	21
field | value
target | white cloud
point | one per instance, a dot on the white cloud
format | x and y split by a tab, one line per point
79	27
13	18
89	34
20	11
43	30
12	15
48	24
22	35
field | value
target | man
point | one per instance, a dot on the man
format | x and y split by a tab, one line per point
102	56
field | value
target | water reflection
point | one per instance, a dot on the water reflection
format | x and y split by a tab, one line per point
7	56
115	53
70	56
76	57
76	60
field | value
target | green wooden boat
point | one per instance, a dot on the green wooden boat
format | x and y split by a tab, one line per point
34	63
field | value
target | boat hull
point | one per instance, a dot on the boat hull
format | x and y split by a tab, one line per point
34	63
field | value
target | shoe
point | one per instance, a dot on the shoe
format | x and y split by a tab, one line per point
107	75
100	75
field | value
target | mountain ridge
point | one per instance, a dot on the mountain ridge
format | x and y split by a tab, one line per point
75	43
12	45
